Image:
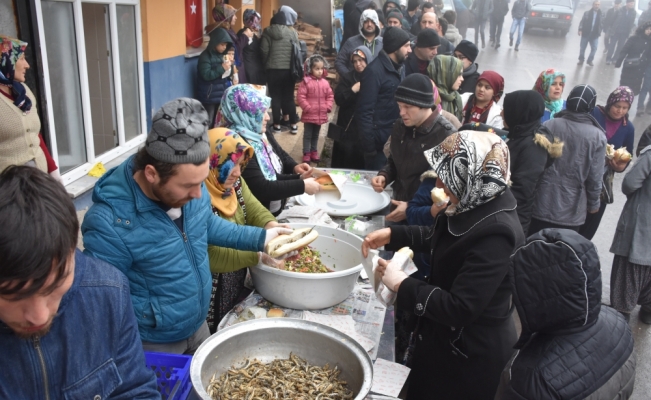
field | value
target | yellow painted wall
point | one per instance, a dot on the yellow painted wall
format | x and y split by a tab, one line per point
267	10
163	28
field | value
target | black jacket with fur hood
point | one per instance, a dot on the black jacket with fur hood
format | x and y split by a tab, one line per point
532	148
571	347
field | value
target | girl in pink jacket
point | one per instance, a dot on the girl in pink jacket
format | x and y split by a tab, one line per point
315	98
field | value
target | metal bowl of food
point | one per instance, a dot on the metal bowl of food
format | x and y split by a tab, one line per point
266	340
339	251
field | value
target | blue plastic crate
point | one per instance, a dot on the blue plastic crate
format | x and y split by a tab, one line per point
172	373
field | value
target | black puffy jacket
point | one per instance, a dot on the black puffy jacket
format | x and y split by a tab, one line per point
571	347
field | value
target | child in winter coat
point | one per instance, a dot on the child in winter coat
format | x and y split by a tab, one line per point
315	97
215	70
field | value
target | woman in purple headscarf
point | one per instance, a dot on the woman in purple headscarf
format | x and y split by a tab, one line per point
620	132
252	70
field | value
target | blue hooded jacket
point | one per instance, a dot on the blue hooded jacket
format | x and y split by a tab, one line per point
168	271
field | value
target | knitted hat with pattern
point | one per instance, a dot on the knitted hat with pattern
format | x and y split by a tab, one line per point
179	133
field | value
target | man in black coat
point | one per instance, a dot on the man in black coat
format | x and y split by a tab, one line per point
418	129
531	146
590	29
500	9
426	48
377	109
607	23
623	24
571	347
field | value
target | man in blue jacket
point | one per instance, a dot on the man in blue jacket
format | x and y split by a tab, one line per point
67	328
377	109
152	219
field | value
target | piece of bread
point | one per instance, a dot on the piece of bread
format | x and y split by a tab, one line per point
326	182
407	251
439	197
275	313
622	155
610	151
284	244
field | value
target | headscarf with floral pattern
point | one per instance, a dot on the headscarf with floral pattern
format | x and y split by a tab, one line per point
475	167
542	86
10	51
242	110
227	149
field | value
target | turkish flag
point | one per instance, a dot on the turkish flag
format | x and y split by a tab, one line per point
193	23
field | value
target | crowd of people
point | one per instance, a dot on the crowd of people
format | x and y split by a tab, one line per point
527	176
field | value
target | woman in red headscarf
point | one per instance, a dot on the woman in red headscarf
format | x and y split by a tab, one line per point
481	106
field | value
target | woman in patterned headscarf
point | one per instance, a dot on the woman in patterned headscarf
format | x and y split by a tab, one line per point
465	331
252	70
550	85
447	74
620	132
272	174
232	200
20	140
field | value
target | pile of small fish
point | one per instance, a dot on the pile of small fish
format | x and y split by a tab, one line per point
291	378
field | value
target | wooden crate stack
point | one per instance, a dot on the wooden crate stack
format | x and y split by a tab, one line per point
312	37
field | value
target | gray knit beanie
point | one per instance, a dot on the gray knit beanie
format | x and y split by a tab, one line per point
179	133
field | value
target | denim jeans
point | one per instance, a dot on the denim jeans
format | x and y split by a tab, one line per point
646	88
593	48
518	24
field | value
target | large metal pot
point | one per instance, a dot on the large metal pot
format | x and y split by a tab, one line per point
269	339
340	251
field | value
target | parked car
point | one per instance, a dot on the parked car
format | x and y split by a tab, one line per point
551	14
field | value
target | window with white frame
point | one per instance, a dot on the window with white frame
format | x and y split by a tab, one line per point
93	80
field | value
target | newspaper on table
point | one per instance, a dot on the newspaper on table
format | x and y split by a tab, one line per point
389	377
361	305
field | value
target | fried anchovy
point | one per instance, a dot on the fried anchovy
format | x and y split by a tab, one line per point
291	378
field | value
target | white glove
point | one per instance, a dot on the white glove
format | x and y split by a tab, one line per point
275	232
266	259
392	276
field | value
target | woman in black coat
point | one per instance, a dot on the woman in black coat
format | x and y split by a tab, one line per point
272	175
251	55
635	55
347	150
465	331
531	145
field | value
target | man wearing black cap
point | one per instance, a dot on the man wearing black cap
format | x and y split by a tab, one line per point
376	107
425	50
430	20
418	129
467	52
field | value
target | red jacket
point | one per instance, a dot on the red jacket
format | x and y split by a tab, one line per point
315	98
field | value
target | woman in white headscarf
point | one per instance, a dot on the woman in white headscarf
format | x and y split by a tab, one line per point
465	331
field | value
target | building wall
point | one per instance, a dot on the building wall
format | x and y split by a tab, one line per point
168	73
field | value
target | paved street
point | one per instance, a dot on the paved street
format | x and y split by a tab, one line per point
542	49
